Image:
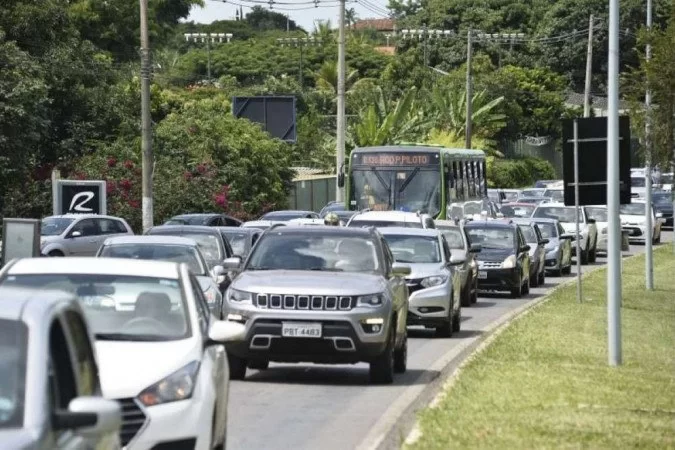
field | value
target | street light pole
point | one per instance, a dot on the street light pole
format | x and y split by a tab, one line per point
469	89
300	43
341	120
146	122
209	38
649	254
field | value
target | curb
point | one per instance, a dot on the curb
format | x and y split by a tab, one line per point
399	424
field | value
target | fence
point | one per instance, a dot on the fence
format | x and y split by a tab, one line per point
311	193
538	147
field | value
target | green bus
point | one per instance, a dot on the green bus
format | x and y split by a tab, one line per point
414	177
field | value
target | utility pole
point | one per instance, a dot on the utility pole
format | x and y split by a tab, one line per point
209	38
649	254
340	153
469	89
301	43
613	219
146	122
589	69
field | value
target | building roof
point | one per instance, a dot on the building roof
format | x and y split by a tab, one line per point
597	102
377	24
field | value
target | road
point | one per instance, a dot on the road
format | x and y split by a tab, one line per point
334	407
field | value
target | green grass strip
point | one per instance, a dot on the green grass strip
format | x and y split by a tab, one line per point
545	382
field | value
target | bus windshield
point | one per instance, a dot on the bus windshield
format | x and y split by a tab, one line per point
401	189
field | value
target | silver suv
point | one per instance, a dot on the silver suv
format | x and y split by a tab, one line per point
330	295
79	234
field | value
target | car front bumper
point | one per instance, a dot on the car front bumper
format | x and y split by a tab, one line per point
498	279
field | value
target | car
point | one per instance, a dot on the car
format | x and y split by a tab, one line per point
391	219
557	195
633	219
667	181
559	247
537	242
535	200
599	214
332	206
567	217
329	295
458	241
434	284
518	209
545	183
213	246
172	249
79	234
663	203
50	391
160	350
500	196
209	220
532	192
242	239
504	259
474	209
262	224
305	222
286	215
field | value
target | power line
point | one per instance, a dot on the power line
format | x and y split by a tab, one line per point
373	8
272	4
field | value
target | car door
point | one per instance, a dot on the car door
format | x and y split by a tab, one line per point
541	249
523	257
88	242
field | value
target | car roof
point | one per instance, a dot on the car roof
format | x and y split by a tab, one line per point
246	230
197	215
429	232
93	266
490	224
447	223
185	228
288	211
543	219
342	231
386	215
555	205
21	302
523	203
150	239
522	220
83	216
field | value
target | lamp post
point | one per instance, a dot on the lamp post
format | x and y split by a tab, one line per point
425	34
208	38
300	43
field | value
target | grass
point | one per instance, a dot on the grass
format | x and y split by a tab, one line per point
545	381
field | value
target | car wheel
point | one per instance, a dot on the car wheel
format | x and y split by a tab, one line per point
567	270
258	364
55	253
445	330
457	320
657	240
474	296
466	296
535	281
237	367
526	287
542	278
382	368
593	254
517	290
401	356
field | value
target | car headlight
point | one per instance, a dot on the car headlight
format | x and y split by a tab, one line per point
432	281
371	301
509	263
235	295
473	264
177	386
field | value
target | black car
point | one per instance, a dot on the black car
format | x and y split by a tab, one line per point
286	215
241	239
209	220
663	203
537	242
504	260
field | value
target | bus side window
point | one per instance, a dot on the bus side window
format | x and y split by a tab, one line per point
452	190
472	179
476	179
466	181
458	180
484	179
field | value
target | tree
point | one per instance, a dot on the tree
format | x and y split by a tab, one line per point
351	17
449	109
263	19
326	78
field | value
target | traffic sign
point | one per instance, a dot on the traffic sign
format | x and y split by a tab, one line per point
592	147
79	197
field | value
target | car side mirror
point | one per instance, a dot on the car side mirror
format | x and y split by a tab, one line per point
457	260
475	248
89	416
233	263
75	234
218	274
591	220
566	237
544	241
222	331
525	248
400	270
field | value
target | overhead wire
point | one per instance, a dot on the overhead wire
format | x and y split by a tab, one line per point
374	8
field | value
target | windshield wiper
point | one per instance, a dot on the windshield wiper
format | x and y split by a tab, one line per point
260	268
325	269
408	180
130	337
384	184
404	261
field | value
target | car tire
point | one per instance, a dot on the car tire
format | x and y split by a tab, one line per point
567	270
401	356
382	367
466	296
55	253
535	281
445	330
526	286
542	278
593	254
237	367
258	364
474	296
517	291
657	240
457	321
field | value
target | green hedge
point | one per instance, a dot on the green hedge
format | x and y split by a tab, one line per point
520	172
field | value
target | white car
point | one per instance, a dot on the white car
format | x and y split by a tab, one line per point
567	217
261	224
380	219
633	219
160	351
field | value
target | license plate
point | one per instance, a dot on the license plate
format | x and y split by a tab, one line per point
482	275
301	330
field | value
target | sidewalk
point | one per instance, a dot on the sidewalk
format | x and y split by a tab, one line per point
545	383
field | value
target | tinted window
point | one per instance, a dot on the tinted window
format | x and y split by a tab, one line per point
13	351
202	306
87	227
492	237
238	242
454	238
86	365
547	229
414	249
109	226
207	243
157	252
637	182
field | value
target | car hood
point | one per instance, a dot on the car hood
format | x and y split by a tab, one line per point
632	219
552	243
423	270
18	439
309	282
126	368
494	254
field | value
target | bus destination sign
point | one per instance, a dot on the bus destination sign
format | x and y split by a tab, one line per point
394	159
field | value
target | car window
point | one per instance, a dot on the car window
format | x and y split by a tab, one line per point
388	256
561	213
87	227
414	249
158	252
528	233
13	362
85	364
238	242
453	236
61	375
493	237
202	306
54	226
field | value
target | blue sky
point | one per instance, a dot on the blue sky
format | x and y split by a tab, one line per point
217	10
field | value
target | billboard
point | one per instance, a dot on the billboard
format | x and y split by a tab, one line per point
79	197
276	114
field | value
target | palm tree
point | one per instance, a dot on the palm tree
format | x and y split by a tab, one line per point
449	106
327	78
351	17
323	29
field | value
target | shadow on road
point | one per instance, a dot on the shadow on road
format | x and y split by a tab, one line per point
342	375
479	304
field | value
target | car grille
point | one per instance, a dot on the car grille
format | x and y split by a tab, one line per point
632	231
133	419
305	302
489	264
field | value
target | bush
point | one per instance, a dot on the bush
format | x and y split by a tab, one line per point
517	173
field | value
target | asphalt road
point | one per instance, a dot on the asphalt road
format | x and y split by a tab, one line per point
334	407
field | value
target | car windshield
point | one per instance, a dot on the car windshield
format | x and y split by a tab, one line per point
511	196
471	208
54	226
188	220
561	213
238	242
662	199
13	351
384	224
532	193
598	213
528	233
632	209
637	182
557	195
207	243
517	210
314	251
548	230
454	238
667	178
492	237
158	252
125	308
414	249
